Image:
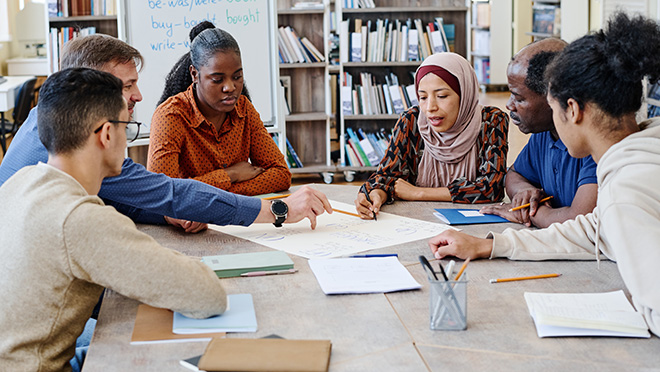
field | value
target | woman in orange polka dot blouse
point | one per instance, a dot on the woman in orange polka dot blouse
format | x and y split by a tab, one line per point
211	132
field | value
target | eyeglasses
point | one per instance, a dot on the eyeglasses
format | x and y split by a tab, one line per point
132	128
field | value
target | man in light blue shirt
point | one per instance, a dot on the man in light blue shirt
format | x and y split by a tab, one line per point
544	167
149	197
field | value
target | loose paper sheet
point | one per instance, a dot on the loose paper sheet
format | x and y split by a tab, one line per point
337	234
362	275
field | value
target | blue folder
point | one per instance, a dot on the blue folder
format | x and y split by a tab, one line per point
454	217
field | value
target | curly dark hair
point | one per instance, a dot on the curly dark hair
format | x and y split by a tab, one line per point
201	50
606	68
536	70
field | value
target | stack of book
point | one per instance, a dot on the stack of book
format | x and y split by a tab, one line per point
59	37
391	41
376	98
293	49
365	149
74	8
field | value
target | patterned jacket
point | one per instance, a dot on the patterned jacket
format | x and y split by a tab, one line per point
405	151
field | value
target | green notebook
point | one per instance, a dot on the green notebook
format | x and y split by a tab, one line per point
229	265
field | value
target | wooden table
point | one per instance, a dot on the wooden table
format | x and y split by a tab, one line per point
390	332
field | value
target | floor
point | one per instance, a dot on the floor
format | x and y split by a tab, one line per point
498	99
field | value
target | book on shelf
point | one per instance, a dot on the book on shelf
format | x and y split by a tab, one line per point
294	155
76	8
354	4
294	49
481	42
365	148
546	19
231	265
481	14
60	36
482	69
371	97
308	5
385	40
450	34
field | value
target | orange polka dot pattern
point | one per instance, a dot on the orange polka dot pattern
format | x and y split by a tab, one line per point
183	144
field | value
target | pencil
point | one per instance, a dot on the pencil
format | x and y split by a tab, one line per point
527	205
277	197
524	278
460	272
344	212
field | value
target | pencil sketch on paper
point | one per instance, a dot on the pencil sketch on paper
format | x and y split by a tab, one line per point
337	234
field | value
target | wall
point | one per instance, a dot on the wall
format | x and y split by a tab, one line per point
9	49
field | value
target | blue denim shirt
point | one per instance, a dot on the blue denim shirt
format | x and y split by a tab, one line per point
142	195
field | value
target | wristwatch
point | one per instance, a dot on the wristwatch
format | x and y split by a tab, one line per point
280	210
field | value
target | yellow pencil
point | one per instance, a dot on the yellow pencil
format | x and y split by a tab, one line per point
460	272
277	197
344	212
524	278
527	205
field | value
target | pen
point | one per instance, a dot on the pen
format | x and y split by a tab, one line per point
528	204
524	278
363	189
275	272
460	272
374	255
277	197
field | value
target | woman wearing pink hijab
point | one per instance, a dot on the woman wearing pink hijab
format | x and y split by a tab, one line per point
449	148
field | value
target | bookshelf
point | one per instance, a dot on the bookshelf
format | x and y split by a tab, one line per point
491	40
309	119
569	21
78	17
363	70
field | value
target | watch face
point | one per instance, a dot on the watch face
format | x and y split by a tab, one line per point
279	208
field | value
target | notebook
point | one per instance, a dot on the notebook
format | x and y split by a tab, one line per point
154	325
237	354
239	317
229	265
585	314
192	363
466	216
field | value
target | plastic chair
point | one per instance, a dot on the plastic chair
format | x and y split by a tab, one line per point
22	107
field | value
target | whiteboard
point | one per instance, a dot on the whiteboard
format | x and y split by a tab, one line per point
159	30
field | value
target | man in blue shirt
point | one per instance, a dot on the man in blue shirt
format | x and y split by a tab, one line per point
544	166
149	197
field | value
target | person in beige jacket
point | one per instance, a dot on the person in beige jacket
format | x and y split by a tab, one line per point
61	246
594	89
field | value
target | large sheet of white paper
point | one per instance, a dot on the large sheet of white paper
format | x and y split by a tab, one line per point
362	275
337	234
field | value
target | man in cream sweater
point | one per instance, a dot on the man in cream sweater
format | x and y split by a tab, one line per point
60	245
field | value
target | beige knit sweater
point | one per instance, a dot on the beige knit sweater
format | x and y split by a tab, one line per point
59	247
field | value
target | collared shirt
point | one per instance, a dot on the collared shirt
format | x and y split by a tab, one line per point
547	164
405	150
143	196
184	144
